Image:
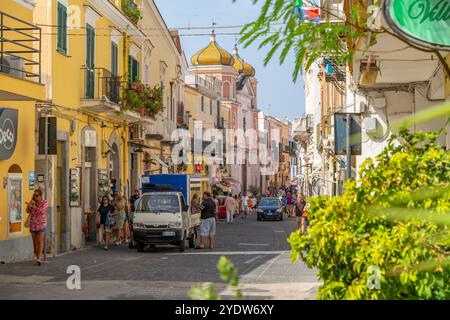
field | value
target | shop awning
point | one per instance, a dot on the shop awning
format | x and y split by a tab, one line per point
223	188
231	180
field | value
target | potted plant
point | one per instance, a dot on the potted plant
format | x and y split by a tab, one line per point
131	10
144	99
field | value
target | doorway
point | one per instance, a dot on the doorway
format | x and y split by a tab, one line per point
90	190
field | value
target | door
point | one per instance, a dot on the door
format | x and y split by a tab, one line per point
90	59
59	215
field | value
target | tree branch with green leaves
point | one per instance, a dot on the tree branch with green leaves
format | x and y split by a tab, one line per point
283	31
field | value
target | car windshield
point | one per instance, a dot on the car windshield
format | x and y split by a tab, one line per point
158	203
269	203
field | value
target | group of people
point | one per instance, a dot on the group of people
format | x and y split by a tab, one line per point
294	205
115	218
115	215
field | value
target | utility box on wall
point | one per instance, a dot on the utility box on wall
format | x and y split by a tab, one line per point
370	125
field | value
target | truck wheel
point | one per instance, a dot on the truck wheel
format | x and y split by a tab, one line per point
182	244
140	246
193	239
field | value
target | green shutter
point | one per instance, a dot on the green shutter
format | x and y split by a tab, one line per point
90	61
135	70
130	68
114	58
62	28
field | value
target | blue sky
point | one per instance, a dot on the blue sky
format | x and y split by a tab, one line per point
278	95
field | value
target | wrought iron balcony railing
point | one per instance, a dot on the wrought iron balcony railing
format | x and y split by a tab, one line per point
101	84
20	48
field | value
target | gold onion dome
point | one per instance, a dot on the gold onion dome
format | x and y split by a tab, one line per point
213	54
241	66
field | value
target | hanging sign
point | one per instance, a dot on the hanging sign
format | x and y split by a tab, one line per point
422	22
8	132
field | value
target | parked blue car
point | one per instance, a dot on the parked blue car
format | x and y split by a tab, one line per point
270	209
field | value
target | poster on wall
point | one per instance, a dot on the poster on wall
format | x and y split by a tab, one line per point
31	180
74	187
15	203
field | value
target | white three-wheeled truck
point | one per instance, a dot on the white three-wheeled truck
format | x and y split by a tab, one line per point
163	215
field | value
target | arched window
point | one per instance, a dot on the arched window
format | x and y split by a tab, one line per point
226	90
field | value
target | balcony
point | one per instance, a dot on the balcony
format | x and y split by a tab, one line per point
332	10
102	93
302	127
209	86
131	10
20	60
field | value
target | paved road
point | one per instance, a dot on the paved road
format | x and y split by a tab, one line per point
258	249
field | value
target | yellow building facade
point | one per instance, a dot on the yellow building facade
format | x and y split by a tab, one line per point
20	89
94	51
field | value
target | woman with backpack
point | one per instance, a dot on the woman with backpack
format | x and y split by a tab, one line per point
105	218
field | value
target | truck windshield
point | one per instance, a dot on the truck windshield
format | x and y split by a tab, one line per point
158	203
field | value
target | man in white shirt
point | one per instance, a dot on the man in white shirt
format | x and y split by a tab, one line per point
230	205
244	208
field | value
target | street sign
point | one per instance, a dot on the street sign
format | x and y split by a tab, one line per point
340	134
8	132
422	22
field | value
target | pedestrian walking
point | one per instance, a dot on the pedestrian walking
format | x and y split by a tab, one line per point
244	205
135	197
105	217
37	208
254	203
299	207
126	223
195	204
120	207
208	221
237	207
230	206
305	222
216	202
289	204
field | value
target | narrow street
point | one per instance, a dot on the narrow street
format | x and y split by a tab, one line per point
258	249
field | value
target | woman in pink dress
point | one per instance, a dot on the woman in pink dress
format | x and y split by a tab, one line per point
37	208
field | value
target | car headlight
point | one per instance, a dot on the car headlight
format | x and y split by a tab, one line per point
175	225
138	225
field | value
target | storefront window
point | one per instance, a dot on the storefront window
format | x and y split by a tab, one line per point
15	202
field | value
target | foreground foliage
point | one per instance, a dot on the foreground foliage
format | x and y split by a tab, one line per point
228	273
387	236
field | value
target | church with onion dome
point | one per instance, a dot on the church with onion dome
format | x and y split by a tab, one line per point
238	107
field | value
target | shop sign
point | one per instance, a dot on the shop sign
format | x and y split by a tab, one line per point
8	132
422	22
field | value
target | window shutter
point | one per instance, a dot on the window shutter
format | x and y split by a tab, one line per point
114	58
130	69
59	29
64	29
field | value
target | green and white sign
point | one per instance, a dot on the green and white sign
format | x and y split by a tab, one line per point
423	22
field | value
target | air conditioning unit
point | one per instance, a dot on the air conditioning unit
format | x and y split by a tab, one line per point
12	66
137	133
